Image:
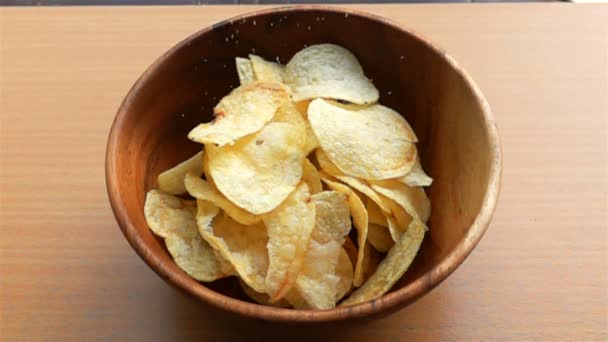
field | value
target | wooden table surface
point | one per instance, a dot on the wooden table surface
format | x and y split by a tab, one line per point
68	274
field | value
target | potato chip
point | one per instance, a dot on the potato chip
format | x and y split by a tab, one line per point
261	298
165	213
412	199
207	172
392	268
289	230
311	138
245	70
243	246
202	190
344	271
267	71
360	220
366	189
261	170
351	250
379	237
173	219
288	113
398	220
374	213
172	180
370	262
328	71
195	257
310	176
325	164
371	143
416	176
317	281
244	111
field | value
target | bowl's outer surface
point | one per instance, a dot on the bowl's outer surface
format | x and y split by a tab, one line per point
458	144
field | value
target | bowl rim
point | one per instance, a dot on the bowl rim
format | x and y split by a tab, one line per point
387	303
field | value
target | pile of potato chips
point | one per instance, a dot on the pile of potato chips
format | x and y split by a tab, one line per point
296	156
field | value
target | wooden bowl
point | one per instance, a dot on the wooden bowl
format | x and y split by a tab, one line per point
458	145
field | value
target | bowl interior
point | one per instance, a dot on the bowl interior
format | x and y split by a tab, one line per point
180	90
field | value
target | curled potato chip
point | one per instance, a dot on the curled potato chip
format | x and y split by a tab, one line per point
195	257
416	176
412	199
289	229
398	220
290	114
173	219
360	220
374	142
311	138
326	164
375	214
243	246
379	237
245	70
310	176
261	298
344	271
366	189
351	250
317	282
244	111
202	190
172	180
370	262
261	170
329	71
267	71
392	268
166	214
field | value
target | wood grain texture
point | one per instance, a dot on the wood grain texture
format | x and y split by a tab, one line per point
540	272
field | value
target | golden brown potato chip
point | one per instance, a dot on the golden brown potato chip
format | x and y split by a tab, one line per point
379	237
244	111
311	138
290	114
360	220
326	164
289	230
245	70
310	176
317	282
392	268
165	213
261	298
267	71
416	176
328	71
398	220
375	214
243	246
173	219
374	142
344	270
366	189
412	199
172	180
370	262
351	250
195	257
260	170
207	172
202	190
